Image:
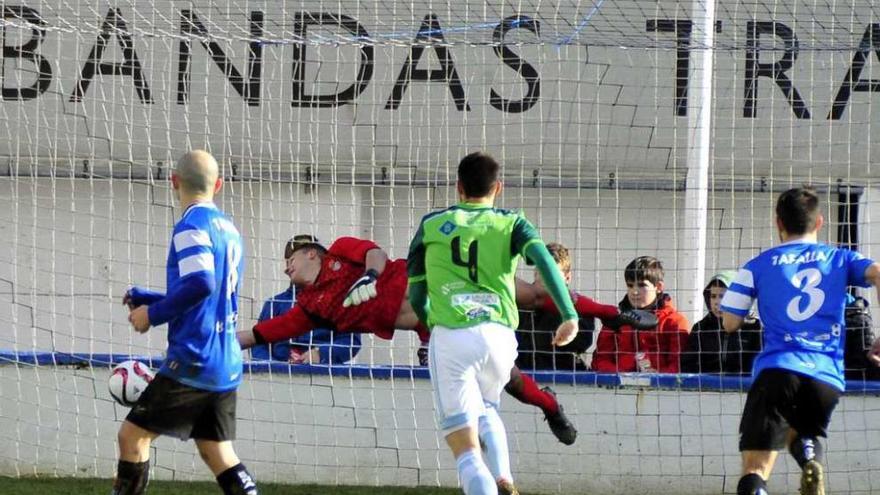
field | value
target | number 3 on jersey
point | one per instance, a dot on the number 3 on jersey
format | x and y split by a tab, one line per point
815	296
471	262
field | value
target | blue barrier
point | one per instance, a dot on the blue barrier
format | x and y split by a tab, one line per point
684	381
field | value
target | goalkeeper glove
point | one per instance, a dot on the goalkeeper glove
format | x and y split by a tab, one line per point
638	319
362	290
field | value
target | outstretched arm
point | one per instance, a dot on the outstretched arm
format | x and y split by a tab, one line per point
293	323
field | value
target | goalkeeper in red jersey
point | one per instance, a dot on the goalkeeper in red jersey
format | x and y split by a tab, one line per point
354	287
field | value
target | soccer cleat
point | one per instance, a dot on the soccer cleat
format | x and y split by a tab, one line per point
506	487
813	478
635	318
559	424
422	355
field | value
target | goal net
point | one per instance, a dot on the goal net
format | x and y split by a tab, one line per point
625	128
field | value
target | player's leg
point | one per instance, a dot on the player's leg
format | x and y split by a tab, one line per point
763	428
493	435
213	432
473	474
232	476
454	355
524	389
133	467
147	419
501	347
815	402
756	468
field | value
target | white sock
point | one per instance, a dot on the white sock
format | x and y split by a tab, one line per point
474	476
494	437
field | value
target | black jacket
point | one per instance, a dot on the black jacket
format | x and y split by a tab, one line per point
536	352
712	350
859	337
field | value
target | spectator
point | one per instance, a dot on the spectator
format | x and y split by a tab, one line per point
318	346
712	350
653	350
859	336
536	329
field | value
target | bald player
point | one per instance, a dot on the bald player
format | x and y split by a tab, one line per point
194	393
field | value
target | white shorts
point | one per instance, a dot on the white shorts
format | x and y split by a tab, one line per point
469	369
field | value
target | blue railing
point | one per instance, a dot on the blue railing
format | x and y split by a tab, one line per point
685	381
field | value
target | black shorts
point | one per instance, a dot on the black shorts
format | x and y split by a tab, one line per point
780	399
171	408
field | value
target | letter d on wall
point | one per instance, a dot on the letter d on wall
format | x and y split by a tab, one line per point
365	67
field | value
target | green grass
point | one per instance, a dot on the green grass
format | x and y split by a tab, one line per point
76	486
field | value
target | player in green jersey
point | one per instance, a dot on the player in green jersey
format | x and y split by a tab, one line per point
462	265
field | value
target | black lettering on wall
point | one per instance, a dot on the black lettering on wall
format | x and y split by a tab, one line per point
775	71
26	52
113	24
853	82
430	34
192	27
526	70
365	67
682	29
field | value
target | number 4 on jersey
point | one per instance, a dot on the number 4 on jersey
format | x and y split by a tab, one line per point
471	262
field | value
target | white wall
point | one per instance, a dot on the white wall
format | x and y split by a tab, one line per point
301	429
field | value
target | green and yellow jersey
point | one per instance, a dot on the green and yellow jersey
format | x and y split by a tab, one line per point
467	255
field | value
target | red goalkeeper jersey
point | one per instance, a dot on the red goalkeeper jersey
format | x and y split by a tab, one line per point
320	304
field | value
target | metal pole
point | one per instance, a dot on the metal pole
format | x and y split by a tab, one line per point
698	159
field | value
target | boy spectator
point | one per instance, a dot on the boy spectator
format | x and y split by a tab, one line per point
654	350
318	346
536	328
712	350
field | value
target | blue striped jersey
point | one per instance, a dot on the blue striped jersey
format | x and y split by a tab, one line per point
203	351
801	290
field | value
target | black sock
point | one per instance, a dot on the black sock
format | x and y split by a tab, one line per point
805	449
237	481
131	478
751	484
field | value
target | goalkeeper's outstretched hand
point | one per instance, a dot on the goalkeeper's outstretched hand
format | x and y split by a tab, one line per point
565	333
362	290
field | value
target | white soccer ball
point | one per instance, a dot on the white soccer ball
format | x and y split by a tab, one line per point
128	380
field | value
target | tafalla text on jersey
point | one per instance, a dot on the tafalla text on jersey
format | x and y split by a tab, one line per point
794	259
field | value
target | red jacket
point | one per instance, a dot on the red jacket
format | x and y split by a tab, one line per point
662	345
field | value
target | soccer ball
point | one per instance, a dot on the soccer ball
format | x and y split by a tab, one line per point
128	380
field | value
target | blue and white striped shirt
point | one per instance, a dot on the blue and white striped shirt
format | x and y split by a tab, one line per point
801	290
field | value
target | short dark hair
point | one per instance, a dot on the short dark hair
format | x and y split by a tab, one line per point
477	173
798	210
644	268
302	241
